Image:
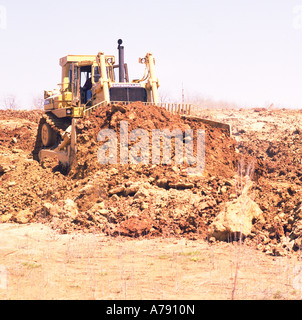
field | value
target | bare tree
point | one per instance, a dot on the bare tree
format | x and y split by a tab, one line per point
164	96
38	102
9	102
209	102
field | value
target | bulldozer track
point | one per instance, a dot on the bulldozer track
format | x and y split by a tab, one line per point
59	125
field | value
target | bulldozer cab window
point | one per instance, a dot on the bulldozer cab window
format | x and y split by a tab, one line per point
96	74
70	77
81	76
85	75
86	84
110	73
75	83
114	73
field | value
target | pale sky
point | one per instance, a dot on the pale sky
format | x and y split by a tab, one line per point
248	52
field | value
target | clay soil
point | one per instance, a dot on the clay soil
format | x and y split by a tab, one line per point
141	231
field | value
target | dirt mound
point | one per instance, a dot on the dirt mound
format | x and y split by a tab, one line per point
18	128
159	199
32	115
273	139
220	149
278	190
153	199
130	199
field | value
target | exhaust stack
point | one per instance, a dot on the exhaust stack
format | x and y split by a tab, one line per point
121	61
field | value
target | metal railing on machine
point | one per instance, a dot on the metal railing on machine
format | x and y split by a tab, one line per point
175	108
87	112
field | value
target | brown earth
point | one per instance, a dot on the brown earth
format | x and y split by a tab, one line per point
160	201
273	139
131	200
153	200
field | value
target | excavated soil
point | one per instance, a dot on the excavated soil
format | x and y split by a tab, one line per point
272	137
146	200
167	209
133	200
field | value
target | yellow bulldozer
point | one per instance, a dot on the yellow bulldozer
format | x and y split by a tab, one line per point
90	82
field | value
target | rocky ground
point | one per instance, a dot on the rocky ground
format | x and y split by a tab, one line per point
272	139
250	189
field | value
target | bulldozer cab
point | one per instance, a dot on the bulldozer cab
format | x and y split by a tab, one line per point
89	81
82	77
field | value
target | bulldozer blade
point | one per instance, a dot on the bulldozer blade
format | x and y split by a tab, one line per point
211	123
66	153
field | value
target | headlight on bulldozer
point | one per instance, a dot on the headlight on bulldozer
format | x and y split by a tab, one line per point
68	112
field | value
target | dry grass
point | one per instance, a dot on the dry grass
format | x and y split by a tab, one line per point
41	264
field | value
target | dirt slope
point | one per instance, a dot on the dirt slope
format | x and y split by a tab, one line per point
151	200
129	199
272	137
